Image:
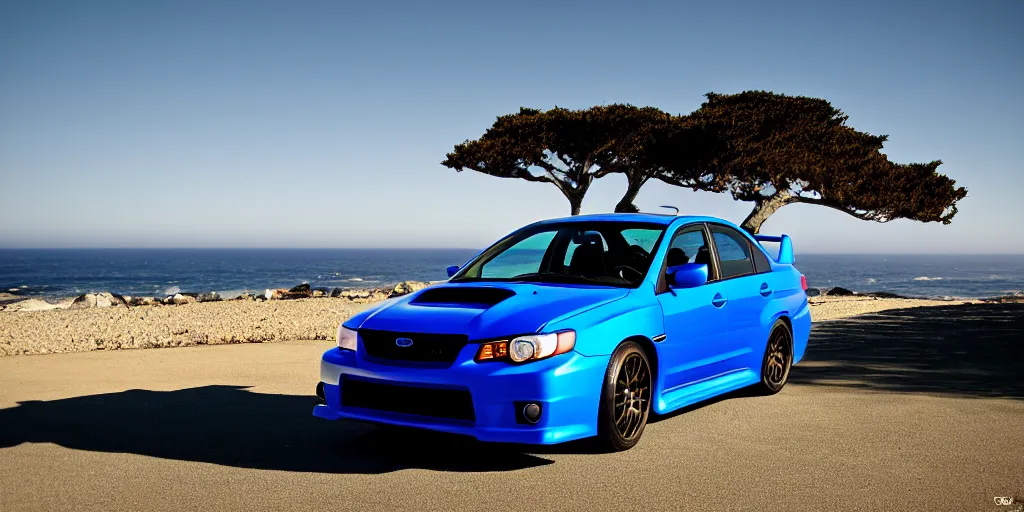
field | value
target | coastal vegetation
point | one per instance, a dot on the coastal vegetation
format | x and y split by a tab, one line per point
761	147
572	148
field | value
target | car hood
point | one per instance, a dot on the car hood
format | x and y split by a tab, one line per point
485	310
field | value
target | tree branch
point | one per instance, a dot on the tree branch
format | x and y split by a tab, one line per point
860	214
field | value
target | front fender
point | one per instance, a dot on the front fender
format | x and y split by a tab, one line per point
600	330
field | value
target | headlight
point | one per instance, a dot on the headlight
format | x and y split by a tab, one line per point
527	348
346	338
524	348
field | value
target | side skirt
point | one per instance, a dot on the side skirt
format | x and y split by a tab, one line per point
694	392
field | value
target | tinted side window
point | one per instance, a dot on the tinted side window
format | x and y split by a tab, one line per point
733	252
760	260
688	245
685	246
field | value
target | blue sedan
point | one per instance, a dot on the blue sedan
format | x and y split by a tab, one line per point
575	328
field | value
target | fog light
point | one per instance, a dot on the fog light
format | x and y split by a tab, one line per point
531	412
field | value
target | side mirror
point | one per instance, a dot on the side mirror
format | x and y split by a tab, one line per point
452	270
687	275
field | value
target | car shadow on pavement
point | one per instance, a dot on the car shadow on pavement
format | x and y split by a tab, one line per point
231	426
970	350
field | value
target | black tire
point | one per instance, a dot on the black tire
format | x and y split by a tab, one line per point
777	360
622	414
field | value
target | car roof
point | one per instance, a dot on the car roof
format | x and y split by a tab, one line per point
652	218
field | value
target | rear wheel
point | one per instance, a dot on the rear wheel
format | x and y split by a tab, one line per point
625	398
778	359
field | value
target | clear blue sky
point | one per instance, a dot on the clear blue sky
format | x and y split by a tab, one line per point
322	124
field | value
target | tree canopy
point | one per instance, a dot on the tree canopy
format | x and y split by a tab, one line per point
571	148
766	148
775	150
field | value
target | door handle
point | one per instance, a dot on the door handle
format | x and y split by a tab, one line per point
765	290
718	301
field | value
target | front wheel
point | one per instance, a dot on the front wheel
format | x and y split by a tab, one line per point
625	398
778	359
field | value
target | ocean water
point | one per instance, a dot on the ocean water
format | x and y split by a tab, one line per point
938	275
157	272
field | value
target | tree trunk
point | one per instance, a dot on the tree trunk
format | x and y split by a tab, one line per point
625	204
575	194
764	208
575	204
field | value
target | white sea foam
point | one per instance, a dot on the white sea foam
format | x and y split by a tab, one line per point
172	290
356	279
872	280
926	278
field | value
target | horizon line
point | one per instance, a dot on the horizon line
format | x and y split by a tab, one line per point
813	253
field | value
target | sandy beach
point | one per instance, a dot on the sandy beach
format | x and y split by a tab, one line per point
248	321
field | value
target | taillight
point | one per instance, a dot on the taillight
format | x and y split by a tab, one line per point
803	282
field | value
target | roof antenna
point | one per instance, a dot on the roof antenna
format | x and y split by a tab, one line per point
670	206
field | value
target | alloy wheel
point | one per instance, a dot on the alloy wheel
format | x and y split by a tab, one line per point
632	396
777	360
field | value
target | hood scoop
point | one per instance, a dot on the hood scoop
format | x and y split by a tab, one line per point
478	296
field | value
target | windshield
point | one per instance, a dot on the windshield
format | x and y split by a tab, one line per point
602	253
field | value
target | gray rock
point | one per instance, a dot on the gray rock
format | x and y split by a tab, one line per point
838	291
208	297
365	295
336	292
302	289
356	294
813	292
179	299
407	287
96	300
282	294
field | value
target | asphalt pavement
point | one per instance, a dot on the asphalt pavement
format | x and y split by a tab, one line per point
918	409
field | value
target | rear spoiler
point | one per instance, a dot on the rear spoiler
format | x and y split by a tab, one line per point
785	256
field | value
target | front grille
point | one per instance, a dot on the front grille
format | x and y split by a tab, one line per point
439	403
425	348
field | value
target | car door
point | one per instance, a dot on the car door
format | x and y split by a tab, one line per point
696	319
747	290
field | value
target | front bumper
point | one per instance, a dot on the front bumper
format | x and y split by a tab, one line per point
567	387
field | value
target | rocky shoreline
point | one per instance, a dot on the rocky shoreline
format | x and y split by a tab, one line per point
838	291
13	302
